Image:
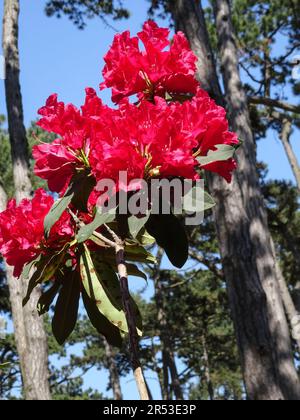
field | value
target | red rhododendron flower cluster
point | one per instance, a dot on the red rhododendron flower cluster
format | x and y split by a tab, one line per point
22	230
152	139
152	71
163	135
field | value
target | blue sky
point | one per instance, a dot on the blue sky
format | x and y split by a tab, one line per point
57	57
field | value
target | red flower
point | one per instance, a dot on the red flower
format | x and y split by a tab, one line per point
159	140
55	163
142	141
153	71
64	120
22	230
205	121
58	161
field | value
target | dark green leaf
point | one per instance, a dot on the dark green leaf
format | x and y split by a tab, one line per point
45	270
78	193
102	325
133	270
66	308
47	298
82	185
137	253
171	236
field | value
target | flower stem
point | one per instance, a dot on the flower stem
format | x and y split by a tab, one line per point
130	317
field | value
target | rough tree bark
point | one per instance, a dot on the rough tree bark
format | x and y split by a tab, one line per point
113	372
285	138
241	222
291	311
30	336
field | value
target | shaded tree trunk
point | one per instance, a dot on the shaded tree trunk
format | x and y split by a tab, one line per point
285	138
113	372
296	296
30	336
157	368
209	383
292	314
241	222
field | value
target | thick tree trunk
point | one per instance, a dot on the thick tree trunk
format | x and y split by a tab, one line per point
17	132
241	221
113	372
30	336
285	138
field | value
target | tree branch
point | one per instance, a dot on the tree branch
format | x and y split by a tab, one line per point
274	103
130	316
209	264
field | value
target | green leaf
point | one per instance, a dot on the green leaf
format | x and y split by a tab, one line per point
133	253
136	224
100	219
45	270
78	193
66	308
56	211
103	287
94	287
112	286
193	203
133	270
47	298
102	325
137	253
28	267
144	238
171	236
223	152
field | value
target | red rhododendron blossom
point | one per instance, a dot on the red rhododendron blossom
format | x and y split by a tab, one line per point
160	140
205	121
22	230
58	161
54	163
152	71
144	142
